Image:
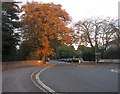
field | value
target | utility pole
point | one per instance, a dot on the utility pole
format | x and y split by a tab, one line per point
119	16
95	53
95	46
118	32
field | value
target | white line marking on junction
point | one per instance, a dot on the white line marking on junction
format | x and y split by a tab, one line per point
40	82
114	70
35	82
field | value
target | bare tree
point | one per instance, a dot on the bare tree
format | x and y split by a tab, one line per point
96	33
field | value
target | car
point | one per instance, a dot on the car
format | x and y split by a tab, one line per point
47	59
77	59
71	60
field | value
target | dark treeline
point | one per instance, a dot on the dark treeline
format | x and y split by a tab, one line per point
10	38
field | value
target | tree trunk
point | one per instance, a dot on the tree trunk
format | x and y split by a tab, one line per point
43	59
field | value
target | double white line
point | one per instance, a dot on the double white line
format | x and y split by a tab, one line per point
44	87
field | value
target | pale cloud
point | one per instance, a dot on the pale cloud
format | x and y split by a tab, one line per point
79	9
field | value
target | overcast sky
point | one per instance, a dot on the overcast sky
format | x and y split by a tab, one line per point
80	9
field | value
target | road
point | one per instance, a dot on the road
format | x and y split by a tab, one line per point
63	78
18	80
81	78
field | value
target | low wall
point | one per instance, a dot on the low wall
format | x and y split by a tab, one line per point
109	61
27	61
20	64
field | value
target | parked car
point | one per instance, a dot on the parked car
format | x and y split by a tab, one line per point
47	59
70	59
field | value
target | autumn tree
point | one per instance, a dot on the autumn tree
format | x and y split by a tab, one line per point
44	22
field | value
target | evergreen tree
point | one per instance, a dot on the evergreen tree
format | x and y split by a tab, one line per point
10	23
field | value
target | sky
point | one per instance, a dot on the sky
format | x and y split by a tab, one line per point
82	9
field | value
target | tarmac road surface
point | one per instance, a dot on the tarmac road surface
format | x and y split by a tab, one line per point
81	78
64	78
18	80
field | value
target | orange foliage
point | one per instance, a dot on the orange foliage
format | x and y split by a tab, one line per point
43	22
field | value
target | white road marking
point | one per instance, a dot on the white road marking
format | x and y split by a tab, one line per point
40	82
115	70
35	82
